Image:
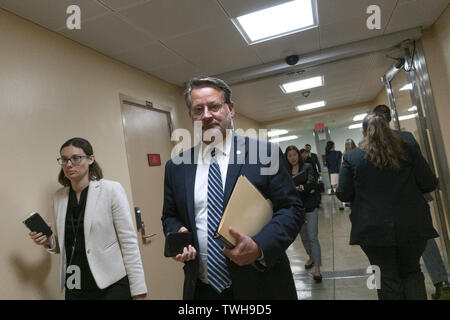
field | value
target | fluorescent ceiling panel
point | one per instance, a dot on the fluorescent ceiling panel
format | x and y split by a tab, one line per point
277	21
287	138
359	117
355	126
408	116
276	133
309	106
413	108
302	84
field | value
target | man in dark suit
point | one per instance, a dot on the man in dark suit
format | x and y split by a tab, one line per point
431	256
197	186
313	159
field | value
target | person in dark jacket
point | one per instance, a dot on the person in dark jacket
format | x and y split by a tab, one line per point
333	161
431	256
384	179
306	185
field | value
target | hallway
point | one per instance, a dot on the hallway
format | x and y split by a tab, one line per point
344	266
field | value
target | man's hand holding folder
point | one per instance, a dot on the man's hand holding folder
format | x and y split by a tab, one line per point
245	252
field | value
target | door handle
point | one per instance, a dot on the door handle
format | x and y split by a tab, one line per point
141	226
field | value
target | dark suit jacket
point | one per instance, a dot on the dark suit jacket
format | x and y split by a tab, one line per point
409	139
314	160
309	183
276	280
388	206
333	161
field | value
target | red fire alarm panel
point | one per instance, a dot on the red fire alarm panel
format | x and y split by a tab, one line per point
154	160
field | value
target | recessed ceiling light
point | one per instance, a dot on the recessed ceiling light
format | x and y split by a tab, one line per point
359	117
355	126
302	84
277	21
309	106
283	139
276	132
406	87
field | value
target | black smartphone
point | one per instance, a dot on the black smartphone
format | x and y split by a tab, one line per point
35	223
176	241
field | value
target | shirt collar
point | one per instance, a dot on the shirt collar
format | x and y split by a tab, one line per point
223	148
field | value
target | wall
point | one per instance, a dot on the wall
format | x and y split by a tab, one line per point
52	89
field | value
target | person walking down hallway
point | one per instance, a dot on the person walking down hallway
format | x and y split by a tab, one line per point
333	161
95	236
306	184
431	256
385	179
197	192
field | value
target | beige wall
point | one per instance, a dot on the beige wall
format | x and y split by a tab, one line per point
52	89
436	42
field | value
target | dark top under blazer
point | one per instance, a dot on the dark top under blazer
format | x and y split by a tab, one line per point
333	161
388	206
309	199
273	282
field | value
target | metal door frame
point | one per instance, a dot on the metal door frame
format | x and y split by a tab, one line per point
428	125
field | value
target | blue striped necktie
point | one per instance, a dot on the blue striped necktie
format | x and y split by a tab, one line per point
218	275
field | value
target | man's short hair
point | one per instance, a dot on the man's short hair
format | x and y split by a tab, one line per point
383	111
207	82
307	145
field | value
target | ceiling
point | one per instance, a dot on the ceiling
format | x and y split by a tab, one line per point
178	39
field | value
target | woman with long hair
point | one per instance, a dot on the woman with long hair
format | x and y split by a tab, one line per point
333	160
95	236
349	145
385	180
306	185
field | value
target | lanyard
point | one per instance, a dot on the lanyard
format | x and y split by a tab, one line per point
75	231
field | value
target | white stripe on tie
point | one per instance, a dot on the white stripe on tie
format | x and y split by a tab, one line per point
218	274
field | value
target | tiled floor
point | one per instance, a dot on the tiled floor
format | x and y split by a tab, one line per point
343	266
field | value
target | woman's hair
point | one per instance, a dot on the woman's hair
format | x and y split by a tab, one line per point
95	172
300	159
349	145
330	145
380	145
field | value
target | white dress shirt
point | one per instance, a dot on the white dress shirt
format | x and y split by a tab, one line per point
201	195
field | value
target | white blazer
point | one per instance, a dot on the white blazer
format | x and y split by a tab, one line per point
111	243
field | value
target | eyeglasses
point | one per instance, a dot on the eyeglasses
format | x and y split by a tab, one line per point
199	110
76	160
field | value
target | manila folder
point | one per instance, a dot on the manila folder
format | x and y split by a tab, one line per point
247	212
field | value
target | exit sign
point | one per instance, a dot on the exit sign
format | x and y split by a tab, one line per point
319	126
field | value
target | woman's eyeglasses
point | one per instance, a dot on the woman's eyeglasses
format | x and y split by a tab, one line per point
76	160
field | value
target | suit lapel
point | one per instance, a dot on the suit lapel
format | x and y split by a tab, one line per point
190	171
235	167
91	202
63	201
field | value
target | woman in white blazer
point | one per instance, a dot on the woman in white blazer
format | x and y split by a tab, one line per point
95	237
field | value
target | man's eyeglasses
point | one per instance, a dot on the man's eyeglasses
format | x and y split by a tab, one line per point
76	160
199	110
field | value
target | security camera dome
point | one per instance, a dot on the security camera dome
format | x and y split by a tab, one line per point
291	60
